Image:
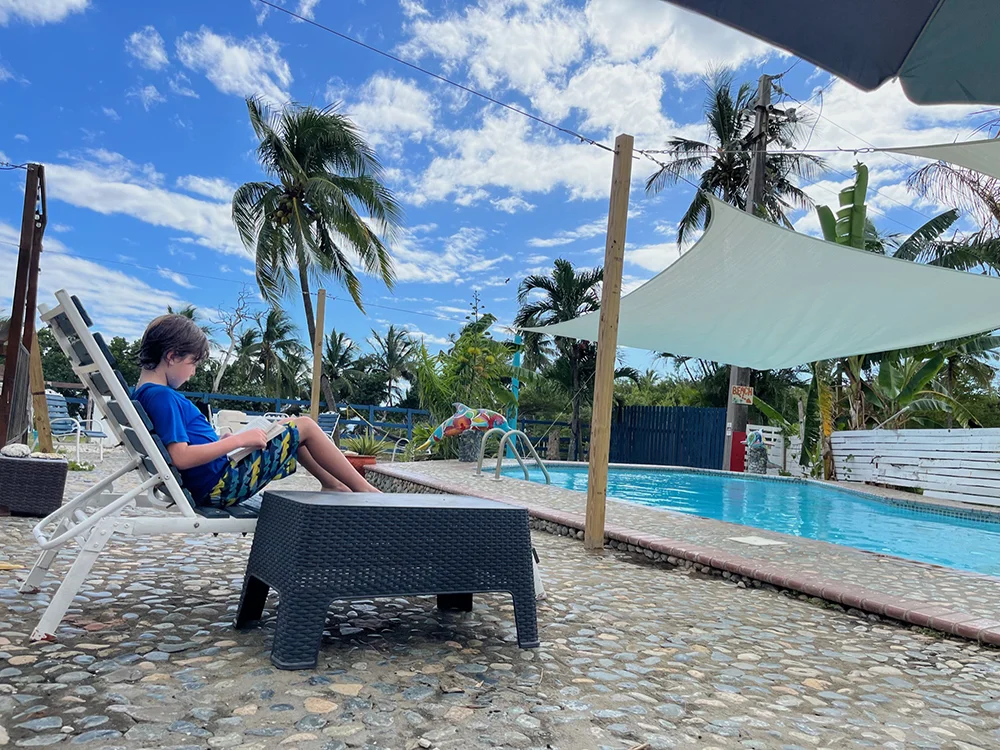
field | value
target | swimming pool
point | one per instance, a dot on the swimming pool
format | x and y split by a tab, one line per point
803	509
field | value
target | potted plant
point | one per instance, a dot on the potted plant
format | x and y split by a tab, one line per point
364	450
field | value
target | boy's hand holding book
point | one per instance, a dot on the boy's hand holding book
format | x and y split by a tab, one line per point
253	438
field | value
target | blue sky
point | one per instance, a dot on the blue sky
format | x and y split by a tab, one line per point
137	111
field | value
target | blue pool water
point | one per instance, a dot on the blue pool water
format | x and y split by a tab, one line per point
803	509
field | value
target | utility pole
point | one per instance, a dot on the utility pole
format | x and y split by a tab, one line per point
736	414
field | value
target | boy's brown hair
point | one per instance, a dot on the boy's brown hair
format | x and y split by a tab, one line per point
171	334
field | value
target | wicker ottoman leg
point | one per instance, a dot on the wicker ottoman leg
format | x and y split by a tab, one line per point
525	616
460	602
251	601
299	631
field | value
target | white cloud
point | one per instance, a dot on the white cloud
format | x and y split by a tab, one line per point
178	278
39	11
109	112
512	204
180	84
443	260
534	260
121	305
21	137
503	43
307	8
565	237
210	187
109	183
390	110
61	228
225	269
250	67
675	40
146	46
428	338
652	257
413	8
148	95
6	74
505	152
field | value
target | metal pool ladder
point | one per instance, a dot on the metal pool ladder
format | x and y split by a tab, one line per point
510	437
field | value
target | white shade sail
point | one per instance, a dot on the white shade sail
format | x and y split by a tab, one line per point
753	294
982	156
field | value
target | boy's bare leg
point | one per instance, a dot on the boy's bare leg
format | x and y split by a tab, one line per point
329	482
323	451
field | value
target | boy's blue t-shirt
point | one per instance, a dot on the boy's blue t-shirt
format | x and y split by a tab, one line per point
177	420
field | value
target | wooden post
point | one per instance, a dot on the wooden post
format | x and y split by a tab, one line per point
318	355
16	324
38	401
607	345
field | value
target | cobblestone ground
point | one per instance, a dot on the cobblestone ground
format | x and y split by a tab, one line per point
632	655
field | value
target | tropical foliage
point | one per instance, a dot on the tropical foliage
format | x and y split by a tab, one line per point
325	204
721	165
565	293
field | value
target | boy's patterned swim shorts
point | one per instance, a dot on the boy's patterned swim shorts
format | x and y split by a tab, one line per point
243	480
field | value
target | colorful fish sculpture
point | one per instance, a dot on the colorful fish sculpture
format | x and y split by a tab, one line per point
466	418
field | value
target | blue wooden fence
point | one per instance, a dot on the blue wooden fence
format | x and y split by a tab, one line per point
218	400
668	436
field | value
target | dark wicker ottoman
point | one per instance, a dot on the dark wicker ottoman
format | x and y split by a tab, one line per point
32	486
315	547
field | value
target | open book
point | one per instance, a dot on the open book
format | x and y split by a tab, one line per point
271	430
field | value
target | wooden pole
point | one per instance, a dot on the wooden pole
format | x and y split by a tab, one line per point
38	401
607	345
318	355
16	325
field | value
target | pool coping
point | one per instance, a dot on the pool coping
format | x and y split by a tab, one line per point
948	620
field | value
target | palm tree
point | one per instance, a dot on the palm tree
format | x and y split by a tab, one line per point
327	203
340	364
280	354
394	353
722	164
566	294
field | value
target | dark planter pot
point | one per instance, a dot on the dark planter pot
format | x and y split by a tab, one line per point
468	446
32	486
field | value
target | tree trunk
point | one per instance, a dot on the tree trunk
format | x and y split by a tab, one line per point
552	452
574	428
324	381
222	366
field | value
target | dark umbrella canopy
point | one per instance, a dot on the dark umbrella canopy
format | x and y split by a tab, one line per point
943	51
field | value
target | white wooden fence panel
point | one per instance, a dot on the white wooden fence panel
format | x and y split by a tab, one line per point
959	465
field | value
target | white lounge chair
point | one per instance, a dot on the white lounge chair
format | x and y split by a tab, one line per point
94	517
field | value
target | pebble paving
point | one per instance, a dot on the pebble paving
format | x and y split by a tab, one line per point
633	655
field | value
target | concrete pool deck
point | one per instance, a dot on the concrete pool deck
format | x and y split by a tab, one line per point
956	602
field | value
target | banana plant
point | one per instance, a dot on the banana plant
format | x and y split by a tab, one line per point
848	226
904	394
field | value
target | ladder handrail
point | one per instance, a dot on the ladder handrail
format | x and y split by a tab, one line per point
534	454
482	450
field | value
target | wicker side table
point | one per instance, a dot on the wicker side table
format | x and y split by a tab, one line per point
314	548
32	486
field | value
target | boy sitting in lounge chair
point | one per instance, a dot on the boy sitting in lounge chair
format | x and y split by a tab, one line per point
170	351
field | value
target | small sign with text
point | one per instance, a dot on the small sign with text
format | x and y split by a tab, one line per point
743	394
